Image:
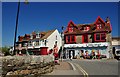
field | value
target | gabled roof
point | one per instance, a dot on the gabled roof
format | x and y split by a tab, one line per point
80	27
47	34
99	18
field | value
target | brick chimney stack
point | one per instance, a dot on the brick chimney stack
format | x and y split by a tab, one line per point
107	20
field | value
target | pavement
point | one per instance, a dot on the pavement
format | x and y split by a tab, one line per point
65	68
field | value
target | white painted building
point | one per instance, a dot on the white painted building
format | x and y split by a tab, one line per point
45	39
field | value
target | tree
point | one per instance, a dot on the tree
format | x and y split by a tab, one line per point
5	50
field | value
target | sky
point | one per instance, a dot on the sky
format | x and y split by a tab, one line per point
43	16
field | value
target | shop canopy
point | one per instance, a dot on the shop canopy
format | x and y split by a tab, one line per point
87	45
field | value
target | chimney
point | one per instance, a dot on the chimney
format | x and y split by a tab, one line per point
107	20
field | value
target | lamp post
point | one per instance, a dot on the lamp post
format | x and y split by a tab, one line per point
16	27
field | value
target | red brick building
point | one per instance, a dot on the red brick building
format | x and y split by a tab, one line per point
94	36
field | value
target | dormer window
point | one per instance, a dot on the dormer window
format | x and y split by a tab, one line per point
37	35
86	28
70	29
99	26
31	36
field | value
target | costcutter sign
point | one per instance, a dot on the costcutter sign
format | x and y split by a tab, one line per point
87	45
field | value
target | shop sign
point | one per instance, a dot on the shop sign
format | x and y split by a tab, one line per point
96	44
86	45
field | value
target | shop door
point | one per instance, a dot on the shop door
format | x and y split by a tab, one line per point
71	53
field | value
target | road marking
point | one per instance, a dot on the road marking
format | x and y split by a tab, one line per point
82	70
72	66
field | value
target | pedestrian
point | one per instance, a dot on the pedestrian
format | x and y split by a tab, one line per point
71	56
86	55
93	54
82	54
98	54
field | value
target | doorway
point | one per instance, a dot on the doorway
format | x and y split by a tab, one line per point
72	53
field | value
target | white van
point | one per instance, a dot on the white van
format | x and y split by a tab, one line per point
117	54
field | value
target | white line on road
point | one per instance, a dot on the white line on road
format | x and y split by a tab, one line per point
82	70
72	66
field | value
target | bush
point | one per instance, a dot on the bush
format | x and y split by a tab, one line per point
5	50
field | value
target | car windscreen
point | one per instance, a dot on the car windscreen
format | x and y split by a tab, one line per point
118	52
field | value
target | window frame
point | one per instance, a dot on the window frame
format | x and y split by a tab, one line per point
86	28
71	39
101	40
99	26
83	38
70	29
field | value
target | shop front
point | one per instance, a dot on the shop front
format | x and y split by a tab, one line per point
103	48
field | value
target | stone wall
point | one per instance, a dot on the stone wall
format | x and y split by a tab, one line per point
27	65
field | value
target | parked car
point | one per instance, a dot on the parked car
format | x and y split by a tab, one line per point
117	54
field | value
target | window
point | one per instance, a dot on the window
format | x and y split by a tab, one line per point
56	37
45	42
70	39
37	35
99	26
24	44
85	38
103	37
30	43
99	37
86	28
70	29
37	43
31	36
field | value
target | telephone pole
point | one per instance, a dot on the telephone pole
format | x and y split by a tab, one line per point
16	27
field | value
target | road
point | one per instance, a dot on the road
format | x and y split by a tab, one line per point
89	68
96	67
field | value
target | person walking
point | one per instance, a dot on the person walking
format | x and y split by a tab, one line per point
93	54
71	55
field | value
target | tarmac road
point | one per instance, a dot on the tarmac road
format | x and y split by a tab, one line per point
97	67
